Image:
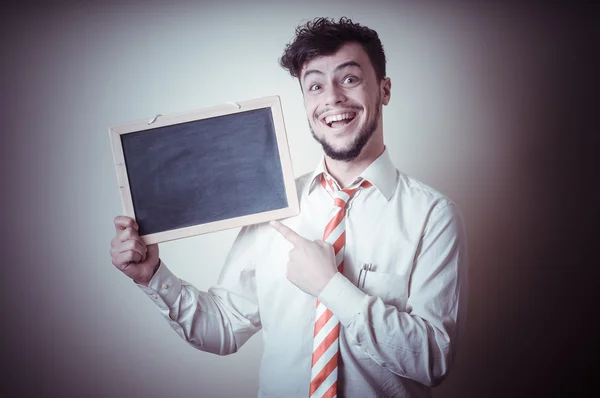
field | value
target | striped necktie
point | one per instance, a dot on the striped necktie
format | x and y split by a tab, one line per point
324	371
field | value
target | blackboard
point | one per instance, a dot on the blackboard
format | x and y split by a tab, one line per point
205	170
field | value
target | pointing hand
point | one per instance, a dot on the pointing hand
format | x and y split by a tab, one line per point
311	264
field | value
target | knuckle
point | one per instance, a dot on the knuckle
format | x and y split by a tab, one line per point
133	245
117	262
128	256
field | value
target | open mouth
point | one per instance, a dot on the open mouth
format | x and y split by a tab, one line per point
340	120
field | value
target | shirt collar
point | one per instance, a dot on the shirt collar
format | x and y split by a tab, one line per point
381	173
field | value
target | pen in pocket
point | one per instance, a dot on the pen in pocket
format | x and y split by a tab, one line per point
366	267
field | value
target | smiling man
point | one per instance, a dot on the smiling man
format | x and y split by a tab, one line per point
364	292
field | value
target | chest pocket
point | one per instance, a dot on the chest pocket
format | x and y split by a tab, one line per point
391	288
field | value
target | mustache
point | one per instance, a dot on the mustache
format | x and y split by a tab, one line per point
333	109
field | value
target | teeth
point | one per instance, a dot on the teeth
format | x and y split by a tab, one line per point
337	118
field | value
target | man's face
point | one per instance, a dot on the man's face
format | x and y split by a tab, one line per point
343	100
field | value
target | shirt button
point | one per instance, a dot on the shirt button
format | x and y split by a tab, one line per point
155	296
164	286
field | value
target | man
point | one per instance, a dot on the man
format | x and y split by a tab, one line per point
372	309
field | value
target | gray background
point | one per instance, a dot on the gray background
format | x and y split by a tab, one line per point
486	107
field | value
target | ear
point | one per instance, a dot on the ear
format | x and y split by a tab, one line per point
386	90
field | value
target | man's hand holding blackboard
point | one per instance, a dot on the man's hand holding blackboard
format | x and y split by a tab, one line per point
311	264
130	254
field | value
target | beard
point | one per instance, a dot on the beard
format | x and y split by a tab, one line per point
355	147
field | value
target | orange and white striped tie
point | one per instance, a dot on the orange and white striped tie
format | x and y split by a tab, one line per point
324	371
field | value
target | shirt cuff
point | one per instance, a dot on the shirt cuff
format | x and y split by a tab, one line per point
163	288
343	298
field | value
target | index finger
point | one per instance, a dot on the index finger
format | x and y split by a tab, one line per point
123	222
289	234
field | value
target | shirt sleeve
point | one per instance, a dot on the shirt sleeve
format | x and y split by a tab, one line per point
418	343
220	320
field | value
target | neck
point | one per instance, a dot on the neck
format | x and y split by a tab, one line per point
345	172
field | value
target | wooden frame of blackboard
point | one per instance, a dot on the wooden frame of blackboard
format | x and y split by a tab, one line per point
159	126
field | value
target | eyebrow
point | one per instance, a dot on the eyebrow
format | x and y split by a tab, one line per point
337	68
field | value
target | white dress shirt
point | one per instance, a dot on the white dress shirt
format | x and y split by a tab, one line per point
399	322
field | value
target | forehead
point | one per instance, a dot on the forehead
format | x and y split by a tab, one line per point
347	52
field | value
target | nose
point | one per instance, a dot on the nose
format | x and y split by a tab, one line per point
334	95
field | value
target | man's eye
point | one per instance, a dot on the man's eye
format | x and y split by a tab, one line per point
314	87
350	80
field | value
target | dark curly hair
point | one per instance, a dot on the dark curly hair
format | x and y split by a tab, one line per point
324	36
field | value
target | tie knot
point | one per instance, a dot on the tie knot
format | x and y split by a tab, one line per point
342	196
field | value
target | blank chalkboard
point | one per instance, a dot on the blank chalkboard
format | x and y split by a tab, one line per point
205	170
